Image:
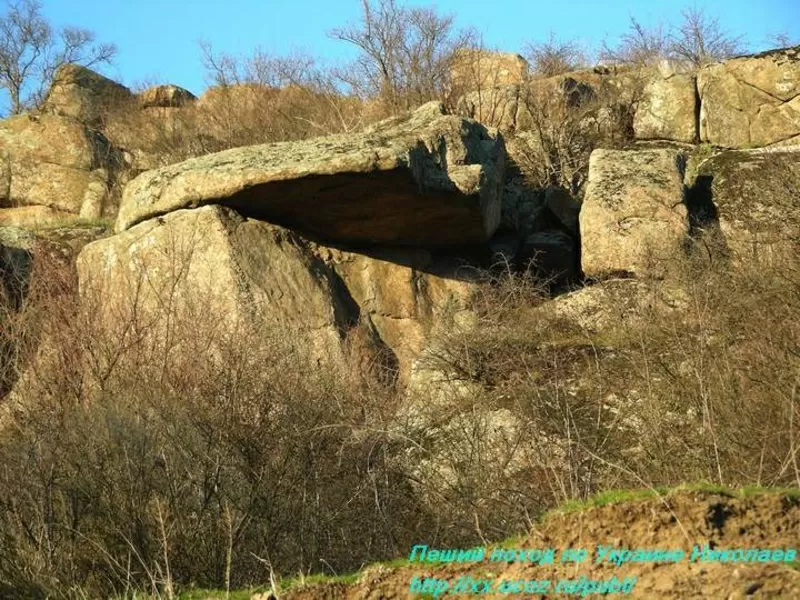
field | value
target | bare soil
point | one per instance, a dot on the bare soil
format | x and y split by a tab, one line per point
680	520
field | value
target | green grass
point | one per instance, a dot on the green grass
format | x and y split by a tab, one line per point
285	586
77	223
318	578
219	594
618	496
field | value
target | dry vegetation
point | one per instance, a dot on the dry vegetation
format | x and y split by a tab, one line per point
154	463
141	466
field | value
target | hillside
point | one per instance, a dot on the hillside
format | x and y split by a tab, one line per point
289	327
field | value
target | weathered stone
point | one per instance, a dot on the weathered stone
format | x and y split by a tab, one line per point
516	195
751	101
668	109
421	179
746	205
213	259
250	272
165	96
633	219
602	98
53	162
615	304
479	69
84	95
404	293
34	217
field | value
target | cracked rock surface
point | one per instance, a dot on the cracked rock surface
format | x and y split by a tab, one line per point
752	100
633	219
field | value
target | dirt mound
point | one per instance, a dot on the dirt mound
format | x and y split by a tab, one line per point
701	524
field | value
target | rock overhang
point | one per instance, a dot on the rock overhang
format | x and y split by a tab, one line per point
426	179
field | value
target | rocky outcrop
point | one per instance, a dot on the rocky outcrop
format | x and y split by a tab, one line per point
16	262
251	274
615	305
633	219
480	69
165	96
744	205
599	97
82	94
752	100
748	101
404	294
53	166
33	217
668	108
422	179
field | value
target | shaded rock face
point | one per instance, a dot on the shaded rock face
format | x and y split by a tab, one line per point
165	96
82	94
16	262
423	179
250	273
52	166
539	234
553	255
668	109
752	100
525	106
745	204
633	219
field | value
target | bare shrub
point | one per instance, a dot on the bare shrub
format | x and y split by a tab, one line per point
555	57
292	95
639	45
406	54
698	39
252	100
565	118
703	388
507	436
484	84
41	278
154	450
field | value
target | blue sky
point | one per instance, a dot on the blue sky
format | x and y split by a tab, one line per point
157	39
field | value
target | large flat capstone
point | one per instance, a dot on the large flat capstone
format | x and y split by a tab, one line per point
425	179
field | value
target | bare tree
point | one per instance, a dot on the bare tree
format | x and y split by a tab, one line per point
267	98
782	40
31	53
640	45
700	39
697	40
554	56
406	53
